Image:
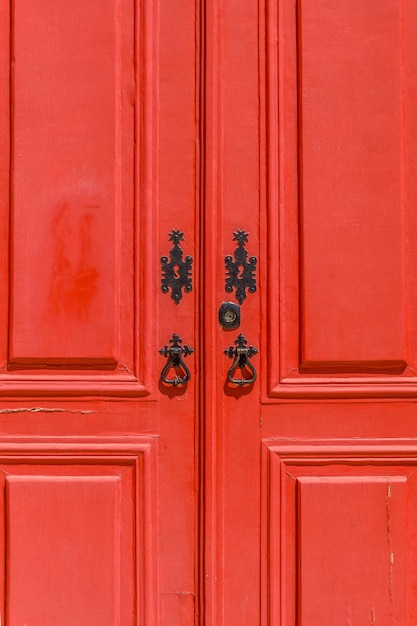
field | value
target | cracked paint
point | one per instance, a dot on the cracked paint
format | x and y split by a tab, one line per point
390	553
39	409
177	593
125	368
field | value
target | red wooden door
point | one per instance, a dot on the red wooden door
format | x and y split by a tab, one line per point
310	130
97	462
279	135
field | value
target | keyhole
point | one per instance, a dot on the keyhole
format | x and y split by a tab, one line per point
229	317
241	269
176	269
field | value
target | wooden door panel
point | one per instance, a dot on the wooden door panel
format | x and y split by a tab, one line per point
78	526
72	91
341	166
339	538
76	197
351	168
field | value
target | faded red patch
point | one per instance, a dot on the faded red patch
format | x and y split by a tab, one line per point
74	276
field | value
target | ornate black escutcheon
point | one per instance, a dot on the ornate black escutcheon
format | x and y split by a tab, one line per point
241	355
240	272
176	272
175	366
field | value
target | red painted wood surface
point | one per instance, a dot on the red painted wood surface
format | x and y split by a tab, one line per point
127	501
75	112
360	522
98	461
338	526
309	147
62	508
352	165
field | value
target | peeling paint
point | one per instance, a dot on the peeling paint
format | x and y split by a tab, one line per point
177	593
39	409
125	368
291	476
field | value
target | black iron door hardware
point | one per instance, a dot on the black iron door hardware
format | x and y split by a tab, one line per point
176	272
241	355
229	315
240	273
180	374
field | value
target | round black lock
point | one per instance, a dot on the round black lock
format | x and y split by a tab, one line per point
229	315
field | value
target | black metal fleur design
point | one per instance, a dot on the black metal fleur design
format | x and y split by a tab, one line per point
241	348
240	272
176	272
176	348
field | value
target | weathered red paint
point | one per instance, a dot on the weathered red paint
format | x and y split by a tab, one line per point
127	501
97	461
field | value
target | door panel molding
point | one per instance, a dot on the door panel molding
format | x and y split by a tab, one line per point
80	257
76	496
341	240
338	513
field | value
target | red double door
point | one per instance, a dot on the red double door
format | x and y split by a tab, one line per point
266	150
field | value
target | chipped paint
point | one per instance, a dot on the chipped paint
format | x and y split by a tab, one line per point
373	617
390	553
125	368
177	593
39	409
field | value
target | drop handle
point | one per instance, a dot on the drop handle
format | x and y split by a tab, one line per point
175	368
241	353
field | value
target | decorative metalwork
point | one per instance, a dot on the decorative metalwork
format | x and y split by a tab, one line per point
241	355
174	354
176	272
240	272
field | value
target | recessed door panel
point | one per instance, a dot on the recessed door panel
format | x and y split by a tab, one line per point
339	528
340	192
74	195
77	522
72	94
352	164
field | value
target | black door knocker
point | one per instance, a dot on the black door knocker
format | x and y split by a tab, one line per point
180	374
241	355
